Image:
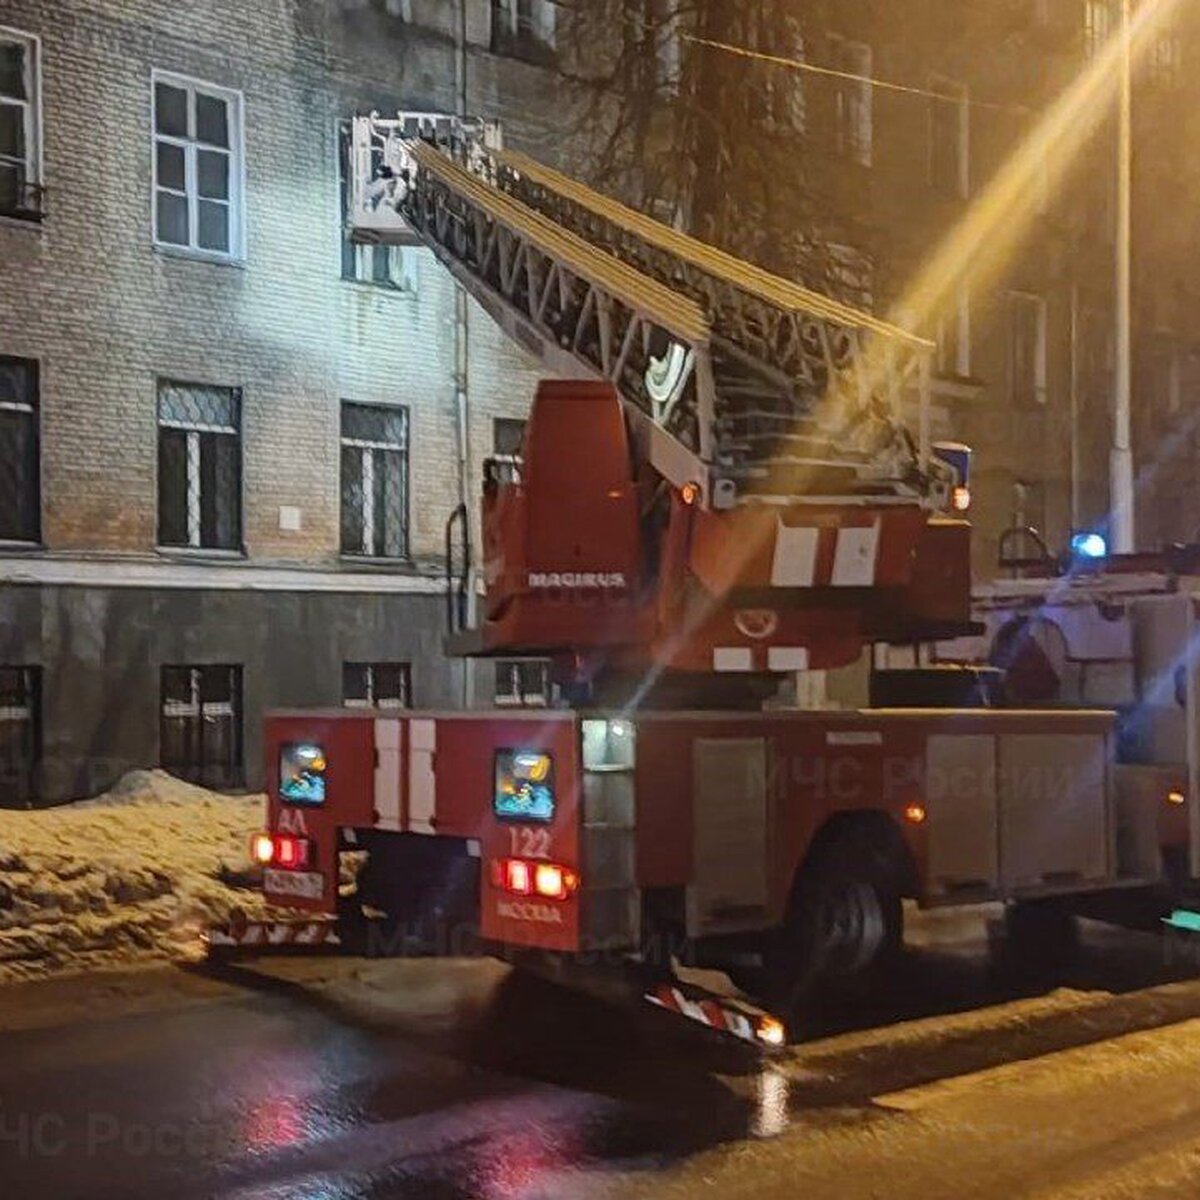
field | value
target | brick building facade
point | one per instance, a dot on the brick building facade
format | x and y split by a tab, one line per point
229	441
232	440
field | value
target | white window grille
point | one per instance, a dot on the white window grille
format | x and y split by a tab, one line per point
20	460
377	684
522	683
954	336
20	126
374	480
198	165
200	730
199	466
20	735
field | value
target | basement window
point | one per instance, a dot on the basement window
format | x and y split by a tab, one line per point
20	735
377	684
200	731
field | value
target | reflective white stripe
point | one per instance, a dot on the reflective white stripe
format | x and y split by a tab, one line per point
387	774
733	658
422	788
854	559
787	658
795	563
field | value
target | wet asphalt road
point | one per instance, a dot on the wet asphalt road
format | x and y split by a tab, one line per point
458	1080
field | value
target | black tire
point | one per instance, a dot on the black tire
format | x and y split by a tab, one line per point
845	925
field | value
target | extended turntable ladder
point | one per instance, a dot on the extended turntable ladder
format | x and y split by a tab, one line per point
736	379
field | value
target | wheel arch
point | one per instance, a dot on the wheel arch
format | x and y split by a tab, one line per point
870	832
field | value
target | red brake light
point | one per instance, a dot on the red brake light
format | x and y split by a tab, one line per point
522	877
291	852
516	877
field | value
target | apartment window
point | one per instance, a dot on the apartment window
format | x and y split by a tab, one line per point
507	435
1097	26
200	731
20	484
522	683
524	28
1027	348
20	127
388	266
197	167
954	336
20	734
1166	365
1166	61
374	480
949	137
376	684
199	466
853	100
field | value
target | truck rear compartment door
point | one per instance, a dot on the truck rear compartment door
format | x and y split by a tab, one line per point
729	850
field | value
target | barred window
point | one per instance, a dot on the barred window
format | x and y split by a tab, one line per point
20	483
197	166
20	126
201	724
20	735
374	480
376	684
199	466
522	683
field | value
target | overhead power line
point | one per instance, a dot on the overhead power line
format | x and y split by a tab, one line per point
887	85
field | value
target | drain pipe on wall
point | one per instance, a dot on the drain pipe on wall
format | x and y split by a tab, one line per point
461	396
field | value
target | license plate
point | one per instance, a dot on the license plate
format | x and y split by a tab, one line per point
309	885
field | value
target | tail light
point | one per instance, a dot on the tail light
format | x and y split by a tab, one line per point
283	850
525	877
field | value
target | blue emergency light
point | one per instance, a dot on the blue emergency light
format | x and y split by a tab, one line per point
1089	545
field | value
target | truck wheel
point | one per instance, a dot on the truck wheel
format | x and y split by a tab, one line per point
845	924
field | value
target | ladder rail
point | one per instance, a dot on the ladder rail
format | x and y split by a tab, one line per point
699	344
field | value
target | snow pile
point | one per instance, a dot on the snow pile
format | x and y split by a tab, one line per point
135	873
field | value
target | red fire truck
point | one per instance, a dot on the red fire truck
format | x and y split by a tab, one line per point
721	495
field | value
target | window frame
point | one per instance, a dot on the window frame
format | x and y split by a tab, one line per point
519	697
531	39
847	139
34	412
371	668
1096	33
196	711
1039	398
368	447
33	124
194	431
234	100
402	255
947	87
31	685
960	321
